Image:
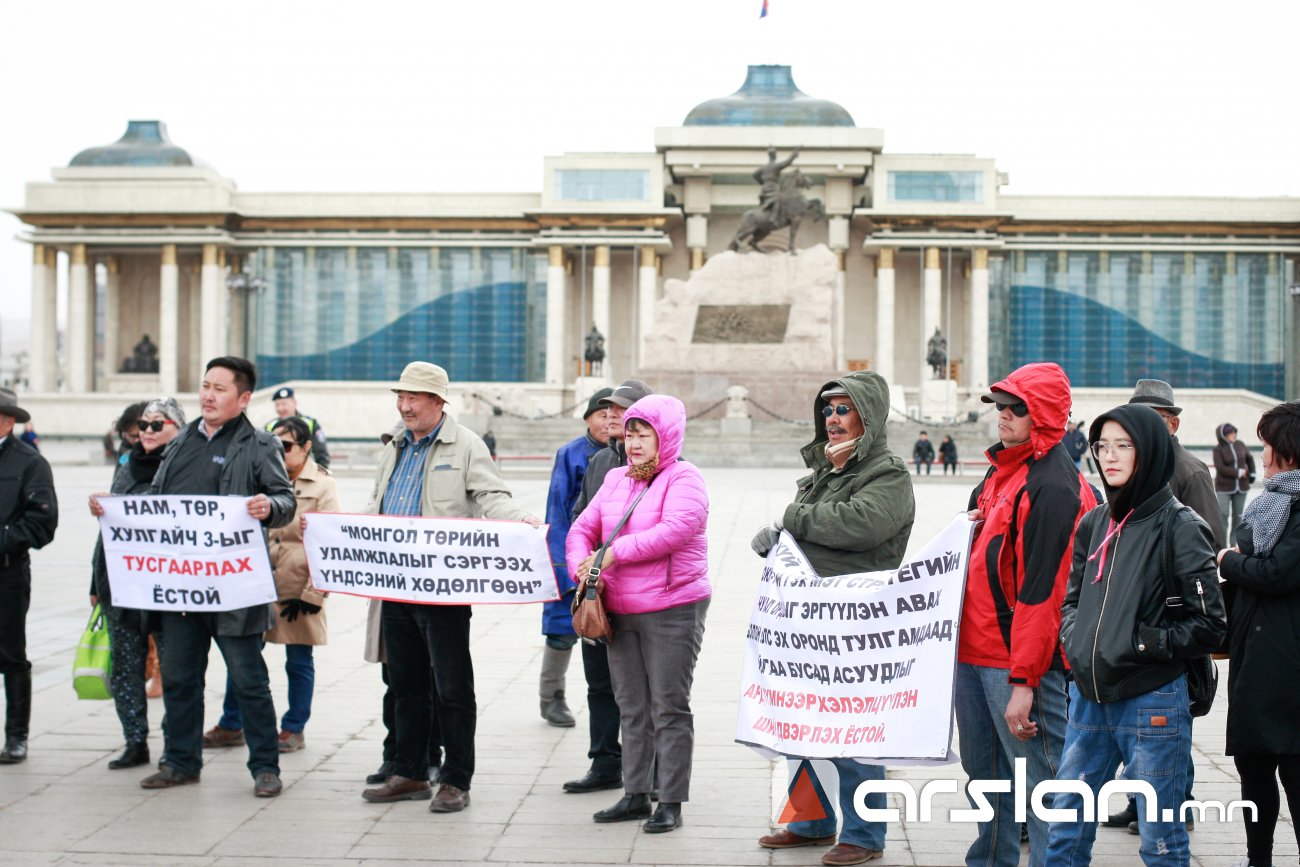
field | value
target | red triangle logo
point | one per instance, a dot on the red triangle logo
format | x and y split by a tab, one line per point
803	804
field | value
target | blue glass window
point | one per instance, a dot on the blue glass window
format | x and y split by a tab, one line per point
602	185
936	186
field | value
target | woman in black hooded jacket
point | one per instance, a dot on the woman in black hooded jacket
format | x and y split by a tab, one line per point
1126	647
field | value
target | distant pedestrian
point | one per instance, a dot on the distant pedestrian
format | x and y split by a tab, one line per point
923	453
490	440
1076	445
1234	471
29	436
286	406
948	454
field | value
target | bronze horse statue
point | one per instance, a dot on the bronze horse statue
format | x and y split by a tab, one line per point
788	209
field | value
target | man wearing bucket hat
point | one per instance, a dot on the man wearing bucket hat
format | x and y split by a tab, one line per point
435	468
286	406
29	514
557	623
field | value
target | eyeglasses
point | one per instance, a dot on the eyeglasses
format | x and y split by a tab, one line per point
841	409
288	445
1019	410
1122	449
155	426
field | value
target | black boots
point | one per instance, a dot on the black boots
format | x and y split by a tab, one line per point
18	714
667	818
630	807
133	756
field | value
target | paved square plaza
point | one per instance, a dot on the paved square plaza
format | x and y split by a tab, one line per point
65	807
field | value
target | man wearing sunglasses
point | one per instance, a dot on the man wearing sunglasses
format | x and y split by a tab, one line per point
853	513
1010	683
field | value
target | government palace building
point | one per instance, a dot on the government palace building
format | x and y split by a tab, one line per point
335	292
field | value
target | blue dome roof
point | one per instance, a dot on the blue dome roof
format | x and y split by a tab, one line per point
145	143
768	97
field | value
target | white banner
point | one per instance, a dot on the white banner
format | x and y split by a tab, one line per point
184	552
435	561
856	666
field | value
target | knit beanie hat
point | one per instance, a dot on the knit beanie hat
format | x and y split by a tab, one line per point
168	407
594	403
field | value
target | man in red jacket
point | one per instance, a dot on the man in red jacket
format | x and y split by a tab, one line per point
1010	687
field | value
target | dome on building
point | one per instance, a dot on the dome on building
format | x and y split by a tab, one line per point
145	143
768	97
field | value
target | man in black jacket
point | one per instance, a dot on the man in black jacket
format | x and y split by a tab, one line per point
602	708
222	454
29	514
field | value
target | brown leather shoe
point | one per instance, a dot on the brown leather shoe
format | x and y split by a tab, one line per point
399	788
166	778
449	800
784	839
847	853
291	742
216	737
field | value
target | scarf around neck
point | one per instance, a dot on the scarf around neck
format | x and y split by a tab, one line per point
1267	514
642	472
839	455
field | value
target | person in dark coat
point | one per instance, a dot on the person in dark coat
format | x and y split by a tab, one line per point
1127	651
1264	668
948	454
29	515
128	628
923	453
1234	471
1076	445
223	454
557	624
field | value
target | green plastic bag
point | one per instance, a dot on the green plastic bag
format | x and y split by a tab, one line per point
93	663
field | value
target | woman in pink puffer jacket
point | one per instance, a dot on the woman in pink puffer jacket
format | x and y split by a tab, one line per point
656	588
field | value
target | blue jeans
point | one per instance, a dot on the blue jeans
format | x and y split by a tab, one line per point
1099	736
188	639
988	750
857	831
301	669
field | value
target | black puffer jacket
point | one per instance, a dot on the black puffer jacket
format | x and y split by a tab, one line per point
29	510
1119	636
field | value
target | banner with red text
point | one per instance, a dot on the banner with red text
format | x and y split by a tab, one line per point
855	666
437	561
184	552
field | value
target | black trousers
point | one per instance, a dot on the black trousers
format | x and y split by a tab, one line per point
390	726
432	675
15	599
602	712
1259	773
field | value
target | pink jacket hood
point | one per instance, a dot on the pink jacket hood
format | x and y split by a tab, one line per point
667	415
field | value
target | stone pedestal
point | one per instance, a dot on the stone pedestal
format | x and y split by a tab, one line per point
736	428
133	383
940	399
583	388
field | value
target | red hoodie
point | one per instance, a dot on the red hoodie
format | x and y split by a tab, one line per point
1033	497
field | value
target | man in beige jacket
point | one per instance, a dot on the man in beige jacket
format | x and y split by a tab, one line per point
436	468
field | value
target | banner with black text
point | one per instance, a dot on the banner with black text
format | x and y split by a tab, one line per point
438	561
855	666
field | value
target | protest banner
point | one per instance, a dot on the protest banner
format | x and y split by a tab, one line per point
433	561
184	552
855	666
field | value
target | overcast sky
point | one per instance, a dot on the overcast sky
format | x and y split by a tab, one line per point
1154	98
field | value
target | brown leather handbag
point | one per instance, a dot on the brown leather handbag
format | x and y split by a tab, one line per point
590	621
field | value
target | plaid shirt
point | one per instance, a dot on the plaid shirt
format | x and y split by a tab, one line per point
406	485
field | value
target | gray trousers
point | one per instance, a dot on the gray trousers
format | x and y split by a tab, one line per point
1231	506
652	663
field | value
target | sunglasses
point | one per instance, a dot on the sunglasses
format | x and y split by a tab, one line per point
841	409
288	445
1019	410
155	426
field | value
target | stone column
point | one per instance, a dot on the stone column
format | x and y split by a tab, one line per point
555	315
647	295
169	309
600	301
978	365
112	314
837	312
1228	312
885	314
235	298
210	307
81	322
932	283
43	344
697	239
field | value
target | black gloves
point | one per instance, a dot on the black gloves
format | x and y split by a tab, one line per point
291	608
